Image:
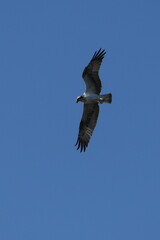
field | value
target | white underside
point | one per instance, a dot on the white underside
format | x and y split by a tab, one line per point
91	97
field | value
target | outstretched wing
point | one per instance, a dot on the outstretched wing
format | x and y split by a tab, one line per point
87	125
90	73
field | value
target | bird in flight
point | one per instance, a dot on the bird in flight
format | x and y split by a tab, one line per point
91	99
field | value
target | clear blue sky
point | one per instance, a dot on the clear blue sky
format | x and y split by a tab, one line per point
48	190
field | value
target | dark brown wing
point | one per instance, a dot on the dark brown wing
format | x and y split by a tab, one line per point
87	125
90	73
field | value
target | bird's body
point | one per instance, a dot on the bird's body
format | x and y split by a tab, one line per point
91	98
94	98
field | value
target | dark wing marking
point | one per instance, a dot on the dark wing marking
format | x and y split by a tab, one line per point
90	73
87	125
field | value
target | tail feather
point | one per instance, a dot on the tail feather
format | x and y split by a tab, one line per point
107	98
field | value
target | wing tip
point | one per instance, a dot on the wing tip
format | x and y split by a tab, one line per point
99	54
81	146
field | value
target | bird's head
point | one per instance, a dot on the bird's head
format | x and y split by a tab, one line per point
80	98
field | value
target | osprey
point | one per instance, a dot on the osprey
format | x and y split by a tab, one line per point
91	99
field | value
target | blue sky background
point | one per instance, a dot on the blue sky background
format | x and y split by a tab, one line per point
48	190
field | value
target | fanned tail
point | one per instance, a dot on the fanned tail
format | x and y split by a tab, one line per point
106	98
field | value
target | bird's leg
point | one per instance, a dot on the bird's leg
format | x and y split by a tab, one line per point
100	100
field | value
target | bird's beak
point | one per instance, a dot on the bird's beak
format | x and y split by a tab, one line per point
77	100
